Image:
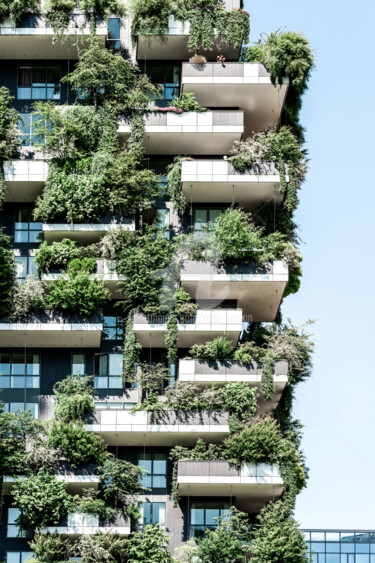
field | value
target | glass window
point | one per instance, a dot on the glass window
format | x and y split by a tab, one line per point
108	371
167	77
113	34
204	515
18	556
26	124
163	222
25	266
25	229
156	466
333	558
19	371
78	364
152	513
14	407
13	530
113	328
203	216
39	82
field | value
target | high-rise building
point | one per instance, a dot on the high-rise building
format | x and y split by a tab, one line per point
341	546
149	194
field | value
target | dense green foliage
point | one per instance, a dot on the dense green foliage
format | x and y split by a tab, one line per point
187	102
229	542
143	258
7	274
150	17
74	397
42	499
174	191
218	349
210	23
58	12
18	431
28	297
276	537
101	548
50	548
79	445
77	291
282	147
9	140
16	9
149	546
59	254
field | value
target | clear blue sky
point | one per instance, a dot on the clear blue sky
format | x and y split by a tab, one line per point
336	216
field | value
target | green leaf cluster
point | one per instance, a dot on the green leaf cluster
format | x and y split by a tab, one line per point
79	445
76	291
7	273
276	537
74	397
149	546
16	9
42	499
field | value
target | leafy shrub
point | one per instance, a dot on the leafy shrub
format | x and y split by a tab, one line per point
102	77
74	397
276	536
120	485
18	431
174	190
28	297
58	11
218	349
79	445
59	254
77	292
42	499
9	139
144	258
228	542
101	548
132	350
257	443
149	546
7	274
187	102
50	548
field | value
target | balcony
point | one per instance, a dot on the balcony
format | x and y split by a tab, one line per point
258	290
189	132
174	45
34	36
166	428
205	325
85	233
251	485
75	483
218	181
246	85
104	271
202	372
24	179
52	330
78	524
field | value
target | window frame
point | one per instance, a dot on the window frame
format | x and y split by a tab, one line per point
45	87
152	474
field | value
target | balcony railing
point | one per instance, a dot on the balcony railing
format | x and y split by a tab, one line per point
161	428
50	329
24	179
204	325
258	290
210	131
77	524
251	485
248	85
85	232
